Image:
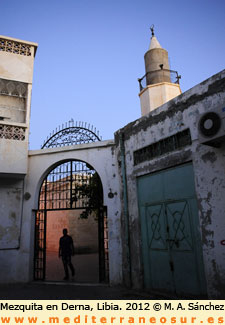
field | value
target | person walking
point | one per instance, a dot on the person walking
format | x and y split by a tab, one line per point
66	250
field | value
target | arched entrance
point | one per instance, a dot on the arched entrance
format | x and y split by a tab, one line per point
71	196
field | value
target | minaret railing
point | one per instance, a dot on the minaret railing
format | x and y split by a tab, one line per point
175	78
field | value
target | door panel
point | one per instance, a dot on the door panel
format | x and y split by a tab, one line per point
181	247
161	275
178	182
151	192
179	226
172	254
156	227
157	247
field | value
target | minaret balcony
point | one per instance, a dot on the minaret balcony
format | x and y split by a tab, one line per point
158	76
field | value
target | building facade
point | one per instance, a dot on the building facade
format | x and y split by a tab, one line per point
172	189
160	223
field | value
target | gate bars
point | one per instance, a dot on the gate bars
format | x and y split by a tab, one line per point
71	185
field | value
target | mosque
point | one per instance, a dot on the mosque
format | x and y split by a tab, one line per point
146	209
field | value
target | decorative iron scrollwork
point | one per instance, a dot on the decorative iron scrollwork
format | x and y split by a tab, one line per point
72	134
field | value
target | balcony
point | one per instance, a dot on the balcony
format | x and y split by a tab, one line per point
158	76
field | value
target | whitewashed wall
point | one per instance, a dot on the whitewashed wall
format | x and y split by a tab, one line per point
18	264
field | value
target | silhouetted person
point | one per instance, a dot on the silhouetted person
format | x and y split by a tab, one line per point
66	250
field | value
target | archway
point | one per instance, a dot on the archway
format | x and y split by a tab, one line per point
71	196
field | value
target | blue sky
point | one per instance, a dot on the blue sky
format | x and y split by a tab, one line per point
91	53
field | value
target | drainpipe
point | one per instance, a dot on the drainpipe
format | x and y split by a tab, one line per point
125	207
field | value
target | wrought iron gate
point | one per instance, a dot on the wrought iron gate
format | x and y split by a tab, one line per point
71	185
40	245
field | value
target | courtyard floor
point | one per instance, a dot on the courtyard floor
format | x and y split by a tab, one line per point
69	290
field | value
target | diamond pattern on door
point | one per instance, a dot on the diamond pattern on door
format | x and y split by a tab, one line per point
171	243
156	227
179	225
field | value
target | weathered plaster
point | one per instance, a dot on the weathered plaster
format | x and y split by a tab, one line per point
14	156
11	212
176	115
196	96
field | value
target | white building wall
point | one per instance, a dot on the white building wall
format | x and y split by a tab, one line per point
16	74
100	155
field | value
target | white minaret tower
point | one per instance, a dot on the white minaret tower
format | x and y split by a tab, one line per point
156	87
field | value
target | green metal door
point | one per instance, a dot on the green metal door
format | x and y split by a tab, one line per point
171	244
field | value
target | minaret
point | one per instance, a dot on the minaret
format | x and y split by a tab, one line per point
156	87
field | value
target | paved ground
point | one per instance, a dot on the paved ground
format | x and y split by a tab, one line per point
61	291
86	267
